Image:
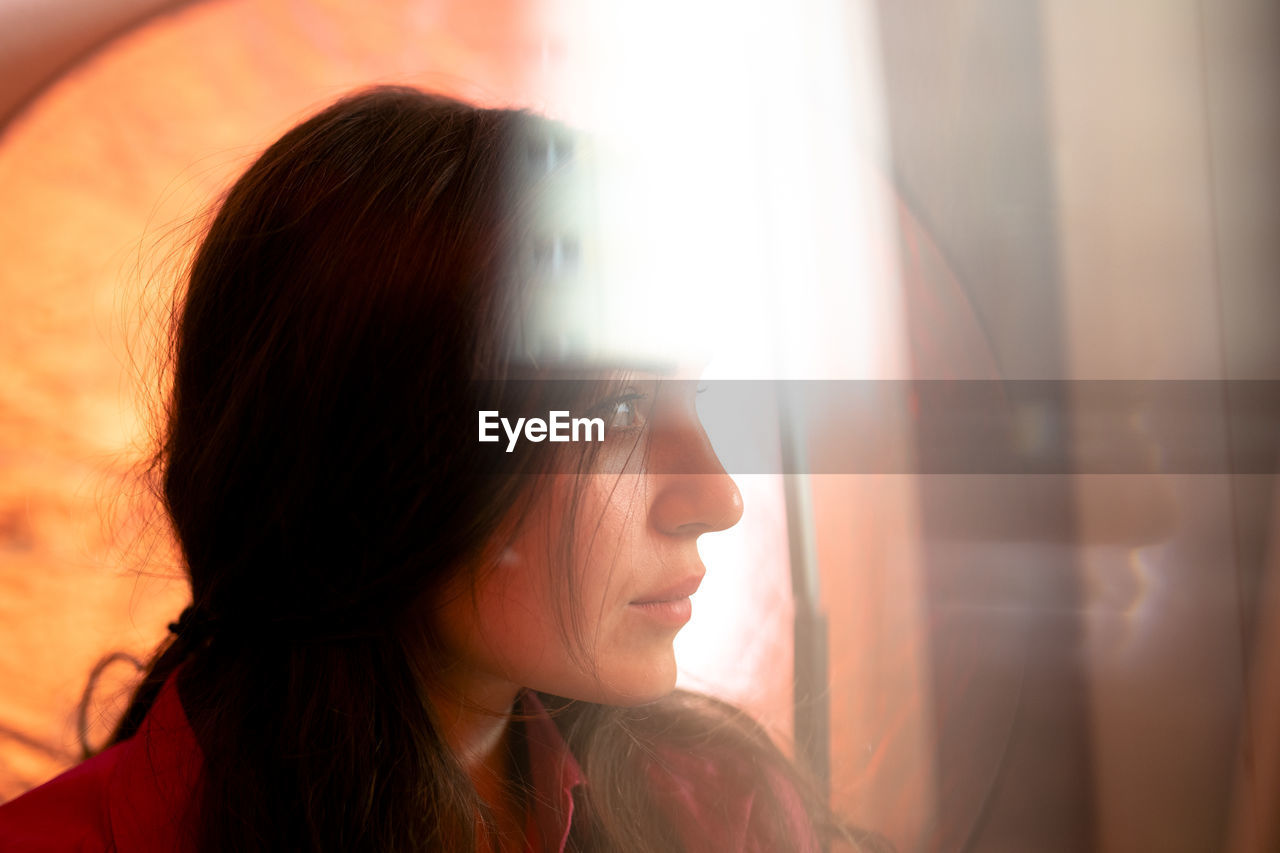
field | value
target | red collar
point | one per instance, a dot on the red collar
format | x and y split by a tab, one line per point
555	773
156	773
154	779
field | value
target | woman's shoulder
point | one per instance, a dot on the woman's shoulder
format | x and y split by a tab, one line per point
728	802
69	812
133	796
730	787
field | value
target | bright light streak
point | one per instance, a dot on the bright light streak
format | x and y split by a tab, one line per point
737	213
736	210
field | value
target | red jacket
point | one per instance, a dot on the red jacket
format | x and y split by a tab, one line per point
135	796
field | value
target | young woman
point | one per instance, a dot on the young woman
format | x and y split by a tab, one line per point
401	637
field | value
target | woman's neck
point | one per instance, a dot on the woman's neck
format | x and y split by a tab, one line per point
475	719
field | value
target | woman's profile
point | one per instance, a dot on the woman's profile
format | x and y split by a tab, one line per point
401	637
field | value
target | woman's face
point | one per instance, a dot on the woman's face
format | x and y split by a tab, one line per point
633	542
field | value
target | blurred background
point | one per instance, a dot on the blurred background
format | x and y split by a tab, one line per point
1068	660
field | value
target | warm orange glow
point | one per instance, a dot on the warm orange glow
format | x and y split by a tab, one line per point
100	175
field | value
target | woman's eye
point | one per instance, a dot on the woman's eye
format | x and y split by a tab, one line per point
624	412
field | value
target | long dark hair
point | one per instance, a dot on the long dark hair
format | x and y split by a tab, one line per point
353	283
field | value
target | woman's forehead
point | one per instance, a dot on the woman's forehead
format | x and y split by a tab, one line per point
620	369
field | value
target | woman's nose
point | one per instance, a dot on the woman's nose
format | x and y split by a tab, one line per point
691	492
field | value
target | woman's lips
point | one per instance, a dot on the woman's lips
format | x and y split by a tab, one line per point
682	588
674	613
670	606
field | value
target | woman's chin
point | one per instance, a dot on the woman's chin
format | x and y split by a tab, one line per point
641	688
